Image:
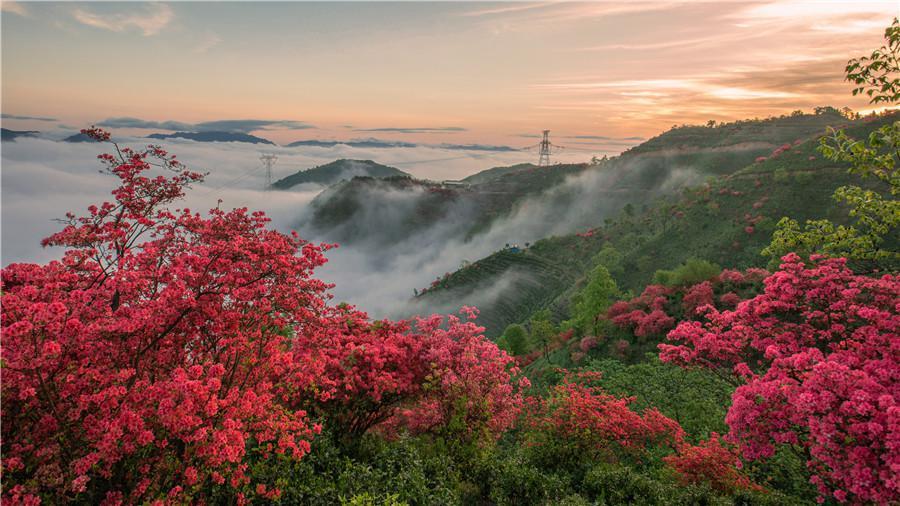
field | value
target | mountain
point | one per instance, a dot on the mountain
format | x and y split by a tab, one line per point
11	135
585	194
378	143
79	137
358	143
384	211
213	137
338	170
727	220
496	172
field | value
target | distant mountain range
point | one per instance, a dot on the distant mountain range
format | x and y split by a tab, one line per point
337	171
11	135
378	143
358	143
79	137
213	137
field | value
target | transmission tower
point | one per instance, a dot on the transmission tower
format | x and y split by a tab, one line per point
544	159
268	160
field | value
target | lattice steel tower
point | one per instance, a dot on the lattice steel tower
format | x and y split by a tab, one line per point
544	159
268	160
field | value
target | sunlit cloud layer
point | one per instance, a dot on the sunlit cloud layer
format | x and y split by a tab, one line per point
446	72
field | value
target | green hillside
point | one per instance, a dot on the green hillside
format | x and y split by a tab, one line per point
336	171
726	220
490	174
681	157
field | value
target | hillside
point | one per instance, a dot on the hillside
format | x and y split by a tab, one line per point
726	221
565	198
336	171
371	210
213	137
11	135
496	172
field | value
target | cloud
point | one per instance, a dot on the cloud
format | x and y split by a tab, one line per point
207	42
13	8
152	18
602	138
227	125
27	118
417	130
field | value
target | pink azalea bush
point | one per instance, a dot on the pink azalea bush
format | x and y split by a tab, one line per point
167	348
818	358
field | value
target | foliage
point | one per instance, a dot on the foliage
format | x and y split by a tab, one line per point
709	462
877	75
578	420
136	370
594	298
516	338
695	398
693	271
871	240
168	352
816	355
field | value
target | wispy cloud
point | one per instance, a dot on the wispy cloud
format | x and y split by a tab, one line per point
13	7
227	125
207	42
413	130
601	138
149	20
28	118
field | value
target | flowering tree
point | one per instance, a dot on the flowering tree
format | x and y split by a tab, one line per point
593	423
167	350
710	462
818	358
471	391
387	376
144	361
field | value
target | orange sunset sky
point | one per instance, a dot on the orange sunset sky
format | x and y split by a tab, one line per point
493	73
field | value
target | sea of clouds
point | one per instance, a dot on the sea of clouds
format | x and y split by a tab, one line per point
42	179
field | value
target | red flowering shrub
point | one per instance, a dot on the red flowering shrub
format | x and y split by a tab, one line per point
710	462
588	343
469	392
817	353
595	424
697	297
144	361
655	322
167	350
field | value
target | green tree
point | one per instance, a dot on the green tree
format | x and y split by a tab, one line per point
691	272
870	240
516	339
542	330
594	298
612	259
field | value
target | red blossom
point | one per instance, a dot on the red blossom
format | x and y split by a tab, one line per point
818	354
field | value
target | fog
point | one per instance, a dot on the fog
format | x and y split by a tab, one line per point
43	179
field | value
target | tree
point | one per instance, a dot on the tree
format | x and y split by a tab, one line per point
595	298
578	420
692	271
871	240
815	358
542	330
144	363
168	351
516	339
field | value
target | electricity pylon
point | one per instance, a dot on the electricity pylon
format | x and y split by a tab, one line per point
544	158
268	160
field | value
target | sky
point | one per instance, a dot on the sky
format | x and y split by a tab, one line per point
600	75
